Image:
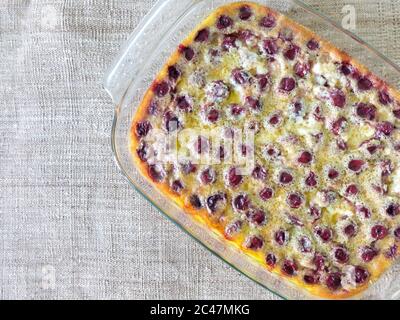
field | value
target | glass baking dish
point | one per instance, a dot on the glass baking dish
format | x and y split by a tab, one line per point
132	72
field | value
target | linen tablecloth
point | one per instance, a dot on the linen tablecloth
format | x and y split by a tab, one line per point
70	225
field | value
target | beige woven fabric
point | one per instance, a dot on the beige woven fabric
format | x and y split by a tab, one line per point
70	226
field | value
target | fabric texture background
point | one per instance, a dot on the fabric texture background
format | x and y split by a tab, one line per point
70	225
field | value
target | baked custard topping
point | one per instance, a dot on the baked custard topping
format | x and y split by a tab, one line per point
313	193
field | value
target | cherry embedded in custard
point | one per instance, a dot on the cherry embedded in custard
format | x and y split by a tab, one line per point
379	232
241	202
268	21
245	13
224	22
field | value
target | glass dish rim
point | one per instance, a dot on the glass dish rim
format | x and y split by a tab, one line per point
116	157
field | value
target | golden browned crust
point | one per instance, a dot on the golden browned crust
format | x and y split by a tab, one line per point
379	265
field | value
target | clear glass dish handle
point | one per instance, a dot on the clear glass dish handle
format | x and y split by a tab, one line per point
131	59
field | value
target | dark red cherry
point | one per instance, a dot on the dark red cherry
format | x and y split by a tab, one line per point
297	108
161	89
386	167
143	151
295	221
289	268
254	242
173	73
305	158
268	21
272	152
319	262
341	255
281	237
195	201
291	52
153	108
256	216
379	232
286	34
274	120
177	186
338	125
315	213
266	194
346	68
397	233
237	110
334	281
356	165
364	84
287	84
285	177
333	174
311	279
396	113
171	122
143	128
241	77
318	114
302	69
325	234
224	22
372	149
234	179
156	173
361	275
241	202
188	168
213	115
391	253
189	53
385	127
253	103
338	98
263	81
246	35
245	12
368	254
366	111
260	173
393	210
208	176
214	201
183	104
233	228
313	44
385	98
352	190
364	211
271	260
202	35
229	42
311	180
305	244
270	46
341	144
295	200
350	230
